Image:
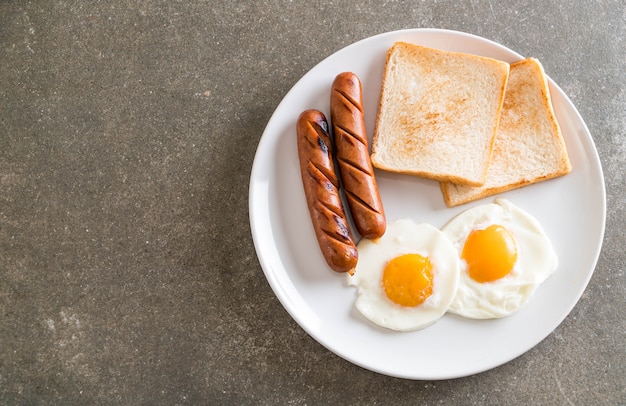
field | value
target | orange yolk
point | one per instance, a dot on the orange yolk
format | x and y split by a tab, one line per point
490	253
408	280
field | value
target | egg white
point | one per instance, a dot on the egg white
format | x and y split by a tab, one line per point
405	236
536	261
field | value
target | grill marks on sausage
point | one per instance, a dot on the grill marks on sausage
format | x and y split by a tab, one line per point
353	172
357	200
350	138
340	232
352	152
331	202
349	99
321	186
329	206
322	162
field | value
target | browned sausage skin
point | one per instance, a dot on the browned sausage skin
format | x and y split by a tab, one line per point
355	167
321	188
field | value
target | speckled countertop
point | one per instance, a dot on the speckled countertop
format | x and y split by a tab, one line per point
127	269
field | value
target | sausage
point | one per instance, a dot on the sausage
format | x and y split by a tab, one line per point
321	187
352	151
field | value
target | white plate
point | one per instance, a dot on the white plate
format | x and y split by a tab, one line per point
571	208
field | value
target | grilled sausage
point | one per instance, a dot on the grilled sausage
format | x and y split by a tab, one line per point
321	187
355	167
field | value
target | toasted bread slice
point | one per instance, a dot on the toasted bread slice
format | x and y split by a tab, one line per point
529	146
438	113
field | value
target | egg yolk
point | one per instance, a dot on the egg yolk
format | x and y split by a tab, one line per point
408	280
490	253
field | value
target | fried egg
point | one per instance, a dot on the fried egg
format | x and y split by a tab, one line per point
505	255
407	278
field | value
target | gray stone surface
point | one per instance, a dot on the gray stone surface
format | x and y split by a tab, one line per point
127	269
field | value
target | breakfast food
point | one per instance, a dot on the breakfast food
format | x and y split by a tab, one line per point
529	147
352	152
321	188
406	279
438	113
505	255
477	125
